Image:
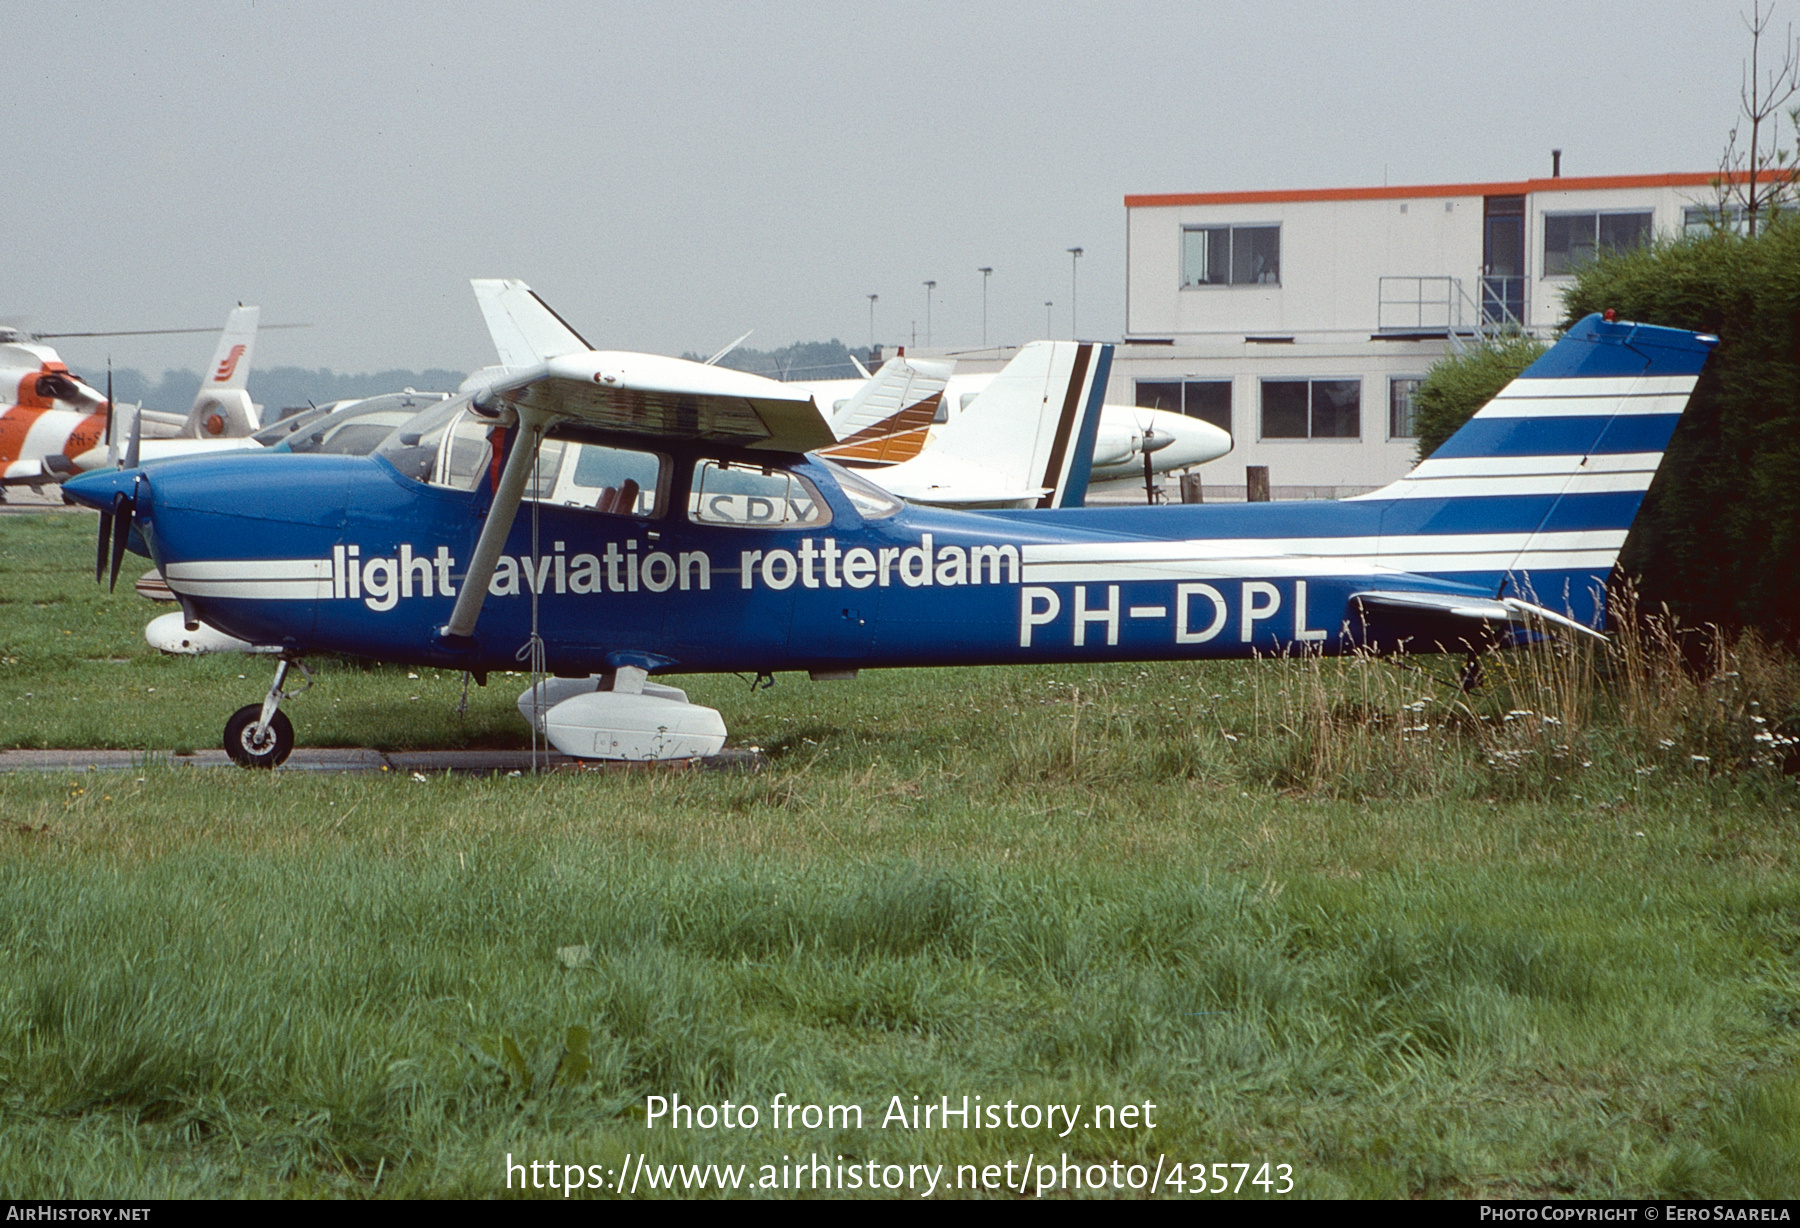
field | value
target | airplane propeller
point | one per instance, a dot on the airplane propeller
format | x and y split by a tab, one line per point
106	523
1151	442
115	522
123	506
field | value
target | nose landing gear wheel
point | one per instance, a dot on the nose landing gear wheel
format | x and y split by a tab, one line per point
247	749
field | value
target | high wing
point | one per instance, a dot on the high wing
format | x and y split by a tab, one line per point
654	397
642	395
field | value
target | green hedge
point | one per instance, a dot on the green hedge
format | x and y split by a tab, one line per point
1718	539
1461	384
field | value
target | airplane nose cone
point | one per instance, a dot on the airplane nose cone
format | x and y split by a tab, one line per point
98	489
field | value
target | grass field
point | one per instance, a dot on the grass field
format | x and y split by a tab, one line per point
1322	914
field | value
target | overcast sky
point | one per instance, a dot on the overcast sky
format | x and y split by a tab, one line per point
670	175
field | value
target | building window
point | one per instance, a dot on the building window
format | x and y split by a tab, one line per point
1573	239
1401	391
1704	219
1312	409
1230	256
1208	400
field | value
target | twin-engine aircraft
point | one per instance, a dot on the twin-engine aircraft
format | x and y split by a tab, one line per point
619	516
900	412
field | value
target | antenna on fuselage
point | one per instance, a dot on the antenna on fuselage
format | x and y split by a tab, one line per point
734	345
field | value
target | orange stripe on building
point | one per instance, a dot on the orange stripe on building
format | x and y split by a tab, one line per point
1521	187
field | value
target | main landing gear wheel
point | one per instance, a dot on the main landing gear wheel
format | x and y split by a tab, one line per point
247	749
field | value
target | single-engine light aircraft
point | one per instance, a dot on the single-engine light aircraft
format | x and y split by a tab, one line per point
622	516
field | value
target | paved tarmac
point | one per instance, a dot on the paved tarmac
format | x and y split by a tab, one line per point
24	499
361	759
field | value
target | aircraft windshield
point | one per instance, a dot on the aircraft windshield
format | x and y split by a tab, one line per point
450	445
871	502
413	448
358	428
275	432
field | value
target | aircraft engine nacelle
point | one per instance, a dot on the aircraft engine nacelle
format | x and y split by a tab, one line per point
1116	446
225	414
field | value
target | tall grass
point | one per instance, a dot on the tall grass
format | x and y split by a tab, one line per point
1655	697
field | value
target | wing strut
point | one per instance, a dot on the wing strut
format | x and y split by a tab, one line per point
532	424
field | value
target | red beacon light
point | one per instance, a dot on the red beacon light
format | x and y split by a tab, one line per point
1610	316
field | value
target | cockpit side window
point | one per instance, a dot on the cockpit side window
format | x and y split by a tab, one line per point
456	448
616	481
750	496
466	452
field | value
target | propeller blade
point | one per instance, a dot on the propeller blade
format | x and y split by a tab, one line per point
109	405
121	527
137	434
106	519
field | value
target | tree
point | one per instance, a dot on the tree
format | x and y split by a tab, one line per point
1459	385
1718	538
1761	178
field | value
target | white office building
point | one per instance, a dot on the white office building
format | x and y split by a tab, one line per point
1303	321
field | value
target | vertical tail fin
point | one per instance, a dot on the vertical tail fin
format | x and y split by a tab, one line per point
525	330
888	419
223	408
1553	469
1027	440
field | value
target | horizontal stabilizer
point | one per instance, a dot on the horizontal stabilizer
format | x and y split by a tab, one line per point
1450	621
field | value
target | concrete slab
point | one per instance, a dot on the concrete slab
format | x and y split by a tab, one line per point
361	759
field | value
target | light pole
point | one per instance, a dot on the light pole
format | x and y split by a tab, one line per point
1074	264
1047	306
872	299
929	287
986	272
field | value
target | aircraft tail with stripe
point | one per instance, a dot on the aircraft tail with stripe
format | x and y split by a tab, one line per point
890	418
223	409
1532	498
1026	441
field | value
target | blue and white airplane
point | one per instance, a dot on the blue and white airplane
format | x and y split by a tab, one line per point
622	516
